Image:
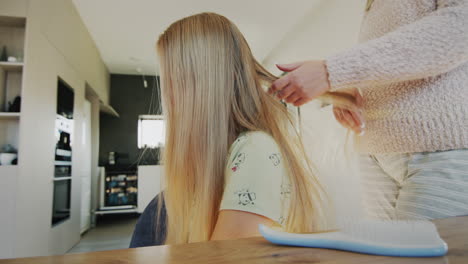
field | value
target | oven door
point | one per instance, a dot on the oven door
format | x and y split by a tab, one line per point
61	203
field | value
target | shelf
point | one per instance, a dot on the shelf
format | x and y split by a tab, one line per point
62	178
105	108
12	66
62	163
8	167
9	116
7	21
118	209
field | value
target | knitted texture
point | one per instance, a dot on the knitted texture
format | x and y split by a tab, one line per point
412	68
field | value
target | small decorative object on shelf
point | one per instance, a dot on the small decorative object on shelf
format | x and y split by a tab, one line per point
8	155
4	56
12	59
15	106
112	158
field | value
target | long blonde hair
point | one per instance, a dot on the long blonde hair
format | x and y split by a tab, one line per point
213	89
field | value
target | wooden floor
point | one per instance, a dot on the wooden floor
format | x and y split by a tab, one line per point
111	232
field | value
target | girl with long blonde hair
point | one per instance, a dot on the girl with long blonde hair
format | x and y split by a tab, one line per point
233	157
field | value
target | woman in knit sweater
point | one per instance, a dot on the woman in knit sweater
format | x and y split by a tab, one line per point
411	68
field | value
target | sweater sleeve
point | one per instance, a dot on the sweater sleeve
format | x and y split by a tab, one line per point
430	46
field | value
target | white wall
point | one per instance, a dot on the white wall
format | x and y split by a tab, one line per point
95	115
18	8
149	184
331	27
62	26
57	45
7	197
85	167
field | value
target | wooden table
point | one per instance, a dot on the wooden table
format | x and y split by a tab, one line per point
256	250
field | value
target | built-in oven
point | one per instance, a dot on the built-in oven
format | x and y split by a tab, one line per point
63	154
61	202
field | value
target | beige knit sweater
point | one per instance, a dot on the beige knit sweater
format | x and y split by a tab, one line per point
412	68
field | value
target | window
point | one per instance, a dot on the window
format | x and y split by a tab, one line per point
151	130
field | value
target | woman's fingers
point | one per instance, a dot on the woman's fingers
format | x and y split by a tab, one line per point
300	101
350	121
279	84
339	117
359	100
286	92
358	119
352	118
290	66
293	98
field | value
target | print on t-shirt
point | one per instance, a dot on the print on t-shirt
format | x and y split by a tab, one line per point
240	139
240	158
246	197
275	158
285	190
281	220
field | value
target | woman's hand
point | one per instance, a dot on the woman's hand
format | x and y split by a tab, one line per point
349	119
305	81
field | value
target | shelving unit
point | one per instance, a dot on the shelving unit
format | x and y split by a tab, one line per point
118	190
12	66
9	116
12	35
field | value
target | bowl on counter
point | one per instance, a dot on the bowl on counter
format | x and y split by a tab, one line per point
7	158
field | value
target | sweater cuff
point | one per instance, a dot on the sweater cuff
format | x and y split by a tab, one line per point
341	75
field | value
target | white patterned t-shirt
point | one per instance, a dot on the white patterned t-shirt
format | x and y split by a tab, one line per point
256	179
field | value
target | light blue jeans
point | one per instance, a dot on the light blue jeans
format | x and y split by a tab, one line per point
426	185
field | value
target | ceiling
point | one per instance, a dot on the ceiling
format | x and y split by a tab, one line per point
125	31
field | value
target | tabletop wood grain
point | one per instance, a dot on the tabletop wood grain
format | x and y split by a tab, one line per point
256	250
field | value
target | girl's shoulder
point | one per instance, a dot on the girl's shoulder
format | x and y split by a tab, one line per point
254	139
255	176
255	146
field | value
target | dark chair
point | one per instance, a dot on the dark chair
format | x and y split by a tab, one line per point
146	232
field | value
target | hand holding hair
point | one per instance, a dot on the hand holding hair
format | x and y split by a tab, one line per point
351	119
305	81
308	80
